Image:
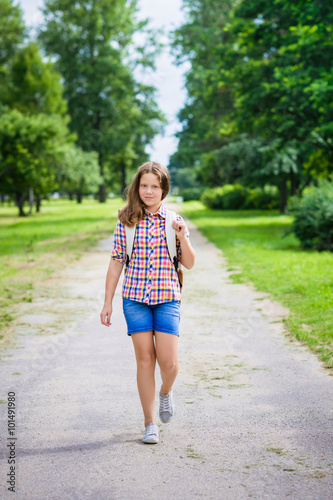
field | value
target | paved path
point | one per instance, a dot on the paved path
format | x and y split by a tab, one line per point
254	410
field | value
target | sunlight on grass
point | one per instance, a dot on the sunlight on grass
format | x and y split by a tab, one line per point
258	242
32	248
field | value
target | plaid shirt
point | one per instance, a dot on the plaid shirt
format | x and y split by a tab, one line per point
151	277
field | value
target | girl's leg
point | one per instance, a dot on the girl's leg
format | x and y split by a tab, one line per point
146	360
167	357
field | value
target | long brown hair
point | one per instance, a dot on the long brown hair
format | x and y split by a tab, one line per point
133	212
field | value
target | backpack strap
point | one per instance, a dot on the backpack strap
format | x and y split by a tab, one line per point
130	235
171	237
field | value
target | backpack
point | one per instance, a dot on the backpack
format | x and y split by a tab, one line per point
171	244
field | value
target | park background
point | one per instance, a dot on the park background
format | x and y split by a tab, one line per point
87	90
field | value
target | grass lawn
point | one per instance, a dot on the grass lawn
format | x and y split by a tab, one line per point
31	248
300	280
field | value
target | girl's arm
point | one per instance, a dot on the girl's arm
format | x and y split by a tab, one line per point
188	254
112	279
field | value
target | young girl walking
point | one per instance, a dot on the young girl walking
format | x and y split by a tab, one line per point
151	290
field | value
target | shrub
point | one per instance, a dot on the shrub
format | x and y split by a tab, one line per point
229	196
313	223
193	193
266	198
236	196
213	198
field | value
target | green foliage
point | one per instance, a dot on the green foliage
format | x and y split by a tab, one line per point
204	42
260	92
282	71
238	197
255	243
112	116
78	172
237	159
183	178
230	196
29	148
12	30
265	198
33	86
92	42
313	223
192	193
319	165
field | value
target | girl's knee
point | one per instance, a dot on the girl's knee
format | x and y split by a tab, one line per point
169	366
146	360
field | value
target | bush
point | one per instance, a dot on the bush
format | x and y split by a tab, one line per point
313	223
229	196
236	196
190	194
266	198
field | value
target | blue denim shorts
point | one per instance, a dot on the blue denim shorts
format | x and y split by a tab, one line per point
142	317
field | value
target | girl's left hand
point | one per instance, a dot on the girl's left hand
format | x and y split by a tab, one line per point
180	227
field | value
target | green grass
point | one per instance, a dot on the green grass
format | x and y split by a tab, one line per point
32	248
255	242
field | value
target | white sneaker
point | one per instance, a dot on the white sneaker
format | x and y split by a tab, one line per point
167	408
151	434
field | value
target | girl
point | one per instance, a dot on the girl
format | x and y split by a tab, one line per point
151	291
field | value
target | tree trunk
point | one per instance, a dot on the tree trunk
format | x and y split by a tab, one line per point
102	193
20	199
38	203
283	191
31	199
102	187
79	196
70	196
294	183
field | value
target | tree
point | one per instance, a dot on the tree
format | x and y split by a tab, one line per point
91	41
204	42
260	70
12	31
33	85
29	149
282	69
282	77
78	172
34	89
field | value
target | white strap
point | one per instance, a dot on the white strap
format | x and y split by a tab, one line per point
130	235
171	238
171	234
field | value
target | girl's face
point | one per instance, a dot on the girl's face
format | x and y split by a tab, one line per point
150	192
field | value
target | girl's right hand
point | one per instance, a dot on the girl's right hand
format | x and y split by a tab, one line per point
106	315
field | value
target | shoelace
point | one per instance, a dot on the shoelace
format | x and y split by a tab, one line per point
165	403
151	430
